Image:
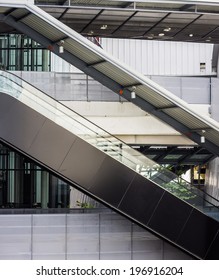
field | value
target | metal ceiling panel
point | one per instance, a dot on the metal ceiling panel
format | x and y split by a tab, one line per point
208	8
43	27
81	51
111	70
59	10
18	13
153	98
183	117
4	9
159	5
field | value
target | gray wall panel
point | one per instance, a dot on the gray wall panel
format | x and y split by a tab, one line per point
15	237
173	84
115	237
49	237
83	236
196	90
145	246
215	99
79	236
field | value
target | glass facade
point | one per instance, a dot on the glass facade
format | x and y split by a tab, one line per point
23	184
20	53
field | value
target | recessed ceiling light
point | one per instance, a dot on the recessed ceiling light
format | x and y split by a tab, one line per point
161	34
190	35
167	29
90	32
104	26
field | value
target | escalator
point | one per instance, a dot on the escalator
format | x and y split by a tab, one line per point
107	169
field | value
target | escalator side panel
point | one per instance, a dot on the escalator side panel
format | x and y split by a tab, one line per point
112	181
198	233
141	199
5	105
52	143
174	211
82	163
15	126
212	253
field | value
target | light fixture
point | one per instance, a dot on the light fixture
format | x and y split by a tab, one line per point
167	29
61	47
161	34
104	26
150	36
90	32
133	94
190	35
202	139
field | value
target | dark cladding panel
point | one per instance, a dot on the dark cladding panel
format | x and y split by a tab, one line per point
82	163
141	199
20	124
5	104
170	216
51	144
212	253
198	233
111	181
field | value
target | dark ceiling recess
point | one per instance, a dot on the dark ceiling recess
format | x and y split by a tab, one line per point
175	155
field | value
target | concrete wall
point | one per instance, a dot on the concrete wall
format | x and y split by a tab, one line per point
79	236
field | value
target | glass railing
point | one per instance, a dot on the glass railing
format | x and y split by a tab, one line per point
112	146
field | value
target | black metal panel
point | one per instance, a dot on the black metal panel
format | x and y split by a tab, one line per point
198	234
5	104
170	216
82	163
53	143
213	251
141	199
112	181
20	124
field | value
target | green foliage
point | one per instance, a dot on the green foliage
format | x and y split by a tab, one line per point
84	205
179	190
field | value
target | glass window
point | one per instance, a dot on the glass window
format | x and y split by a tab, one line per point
18	52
